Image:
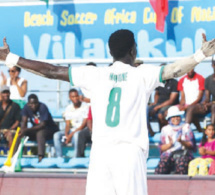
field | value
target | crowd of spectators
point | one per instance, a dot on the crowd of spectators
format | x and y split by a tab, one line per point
196	98
177	140
34	118
175	107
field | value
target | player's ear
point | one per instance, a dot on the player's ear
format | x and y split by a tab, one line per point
133	52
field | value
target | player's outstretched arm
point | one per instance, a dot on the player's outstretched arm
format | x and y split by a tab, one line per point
180	67
39	68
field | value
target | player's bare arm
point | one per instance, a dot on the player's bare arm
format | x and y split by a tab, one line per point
183	66
39	68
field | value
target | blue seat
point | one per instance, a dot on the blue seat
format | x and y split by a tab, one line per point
198	136
208	166
75	163
29	142
26	162
2	160
152	163
208	115
47	162
56	113
155	138
50	142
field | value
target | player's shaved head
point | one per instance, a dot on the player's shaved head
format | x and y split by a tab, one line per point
121	43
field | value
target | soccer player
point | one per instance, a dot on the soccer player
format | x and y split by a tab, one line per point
119	98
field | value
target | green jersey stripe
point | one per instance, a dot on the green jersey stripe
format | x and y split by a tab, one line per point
160	77
70	76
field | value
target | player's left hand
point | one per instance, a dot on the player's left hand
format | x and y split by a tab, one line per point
208	47
4	51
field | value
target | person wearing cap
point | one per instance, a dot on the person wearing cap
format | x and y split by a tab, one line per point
208	105
176	144
10	116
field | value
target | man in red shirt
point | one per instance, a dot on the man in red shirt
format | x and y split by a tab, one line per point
192	88
208	105
84	136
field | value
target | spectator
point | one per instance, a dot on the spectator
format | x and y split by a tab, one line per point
207	150
164	98
208	105
9	115
84	136
18	86
76	120
192	89
177	144
43	126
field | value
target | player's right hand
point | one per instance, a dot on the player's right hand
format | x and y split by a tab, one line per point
4	51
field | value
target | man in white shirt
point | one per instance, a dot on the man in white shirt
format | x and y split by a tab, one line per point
119	96
76	120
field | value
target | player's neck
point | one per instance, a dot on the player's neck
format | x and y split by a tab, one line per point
126	60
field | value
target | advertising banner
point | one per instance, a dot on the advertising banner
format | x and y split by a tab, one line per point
71	30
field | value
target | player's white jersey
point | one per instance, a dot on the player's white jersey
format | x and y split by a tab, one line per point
119	100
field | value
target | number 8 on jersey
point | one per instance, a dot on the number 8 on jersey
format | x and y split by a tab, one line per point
113	108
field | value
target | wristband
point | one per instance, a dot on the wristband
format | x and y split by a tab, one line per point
11	60
199	56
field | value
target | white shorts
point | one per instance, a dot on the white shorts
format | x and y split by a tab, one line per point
118	169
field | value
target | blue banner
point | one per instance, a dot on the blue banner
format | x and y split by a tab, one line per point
70	31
